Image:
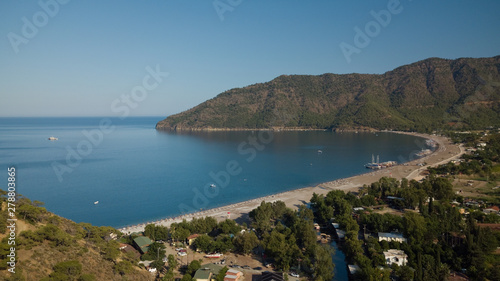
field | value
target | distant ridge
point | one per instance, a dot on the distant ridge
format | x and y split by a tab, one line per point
423	96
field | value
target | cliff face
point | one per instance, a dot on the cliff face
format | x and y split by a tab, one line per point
429	94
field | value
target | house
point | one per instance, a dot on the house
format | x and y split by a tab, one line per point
142	244
340	233
111	236
191	239
398	237
272	276
122	246
491	210
353	269
203	274
129	250
232	275
207	272
395	256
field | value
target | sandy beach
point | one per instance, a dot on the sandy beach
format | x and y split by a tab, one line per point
412	169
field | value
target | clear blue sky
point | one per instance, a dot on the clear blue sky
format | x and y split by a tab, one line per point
86	54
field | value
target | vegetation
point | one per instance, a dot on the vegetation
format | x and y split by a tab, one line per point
441	234
438	237
54	248
423	96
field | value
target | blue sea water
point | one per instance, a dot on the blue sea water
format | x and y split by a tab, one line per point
139	174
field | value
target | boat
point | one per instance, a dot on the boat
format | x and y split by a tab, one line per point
53	138
377	165
212	185
213	255
319	151
96	202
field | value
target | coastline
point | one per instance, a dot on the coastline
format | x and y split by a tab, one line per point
445	152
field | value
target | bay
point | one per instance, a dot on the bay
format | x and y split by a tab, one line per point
139	174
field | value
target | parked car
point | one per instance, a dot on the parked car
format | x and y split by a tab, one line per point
178	249
182	254
294	274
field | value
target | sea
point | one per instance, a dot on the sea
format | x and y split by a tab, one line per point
119	172
138	174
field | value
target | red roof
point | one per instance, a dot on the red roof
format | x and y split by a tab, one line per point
193	236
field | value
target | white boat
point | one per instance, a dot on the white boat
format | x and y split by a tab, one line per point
53	138
212	185
215	255
96	202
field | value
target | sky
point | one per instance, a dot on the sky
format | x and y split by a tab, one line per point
161	57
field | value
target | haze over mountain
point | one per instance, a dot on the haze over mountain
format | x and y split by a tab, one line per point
422	96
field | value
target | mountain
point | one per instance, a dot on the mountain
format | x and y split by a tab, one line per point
423	96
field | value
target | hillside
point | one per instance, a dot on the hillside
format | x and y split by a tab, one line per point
423	96
49	247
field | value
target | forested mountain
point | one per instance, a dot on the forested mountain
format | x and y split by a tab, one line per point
430	94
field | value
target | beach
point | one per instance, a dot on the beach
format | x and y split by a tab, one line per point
411	169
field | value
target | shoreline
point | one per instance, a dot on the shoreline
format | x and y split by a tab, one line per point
445	152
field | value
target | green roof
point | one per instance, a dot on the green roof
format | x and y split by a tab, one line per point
143	243
205	270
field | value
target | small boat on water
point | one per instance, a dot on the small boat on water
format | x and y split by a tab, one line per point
96	202
53	138
212	185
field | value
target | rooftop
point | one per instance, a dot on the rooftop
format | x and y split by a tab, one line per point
143	241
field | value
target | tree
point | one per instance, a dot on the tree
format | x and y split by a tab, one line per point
246	242
66	270
204	243
222	274
169	276
155	251
111	251
172	262
415	227
261	217
193	267
123	267
87	277
323	265
442	189
180	234
229	227
158	264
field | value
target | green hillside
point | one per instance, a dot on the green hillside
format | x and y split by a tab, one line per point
51	248
423	96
